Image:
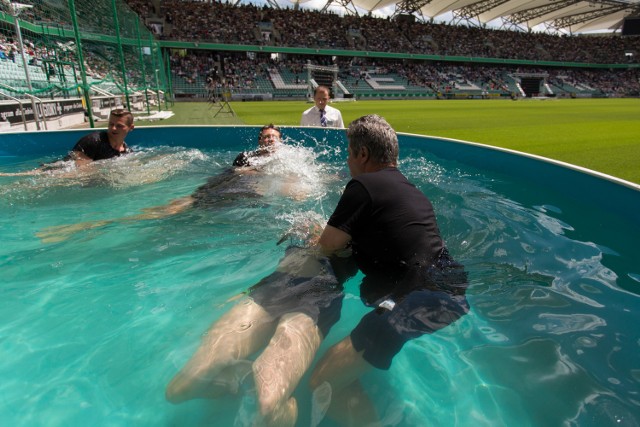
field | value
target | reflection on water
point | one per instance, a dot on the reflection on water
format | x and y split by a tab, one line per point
97	325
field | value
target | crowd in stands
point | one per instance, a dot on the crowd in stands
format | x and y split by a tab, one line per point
236	70
36	54
10	51
239	71
252	25
55	60
233	70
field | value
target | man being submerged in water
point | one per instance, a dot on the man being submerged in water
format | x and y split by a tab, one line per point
240	181
95	146
232	184
268	138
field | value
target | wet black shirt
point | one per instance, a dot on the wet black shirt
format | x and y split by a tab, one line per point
96	146
392	224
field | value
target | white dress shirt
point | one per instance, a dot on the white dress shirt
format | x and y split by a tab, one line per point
311	117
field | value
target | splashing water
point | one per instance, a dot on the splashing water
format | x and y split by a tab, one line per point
142	167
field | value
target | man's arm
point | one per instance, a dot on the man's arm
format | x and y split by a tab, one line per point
55	167
333	240
25	173
80	158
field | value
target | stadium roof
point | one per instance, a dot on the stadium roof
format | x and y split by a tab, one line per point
569	16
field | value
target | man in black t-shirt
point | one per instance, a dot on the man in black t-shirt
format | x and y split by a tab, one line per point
104	144
98	145
411	282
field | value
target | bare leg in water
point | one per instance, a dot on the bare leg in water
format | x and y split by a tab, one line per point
210	372
341	367
278	370
288	338
219	365
63	232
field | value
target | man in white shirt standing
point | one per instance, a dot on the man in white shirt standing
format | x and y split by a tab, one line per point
321	114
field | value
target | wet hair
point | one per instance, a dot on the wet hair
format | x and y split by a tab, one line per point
123	112
269	126
374	133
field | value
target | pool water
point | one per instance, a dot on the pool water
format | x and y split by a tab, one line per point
95	325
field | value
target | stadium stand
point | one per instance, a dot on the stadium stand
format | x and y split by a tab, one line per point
225	23
471	63
187	47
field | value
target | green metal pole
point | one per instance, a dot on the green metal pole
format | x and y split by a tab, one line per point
25	65
158	90
83	73
167	73
144	74
155	67
120	51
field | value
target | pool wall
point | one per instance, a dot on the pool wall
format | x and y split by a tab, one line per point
588	187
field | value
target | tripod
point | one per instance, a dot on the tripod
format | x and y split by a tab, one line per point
219	98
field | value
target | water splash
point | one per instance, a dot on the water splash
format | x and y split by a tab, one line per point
291	171
142	167
305	227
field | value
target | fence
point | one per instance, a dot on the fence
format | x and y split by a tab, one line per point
97	51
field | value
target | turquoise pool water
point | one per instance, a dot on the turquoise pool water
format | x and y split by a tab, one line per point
95	326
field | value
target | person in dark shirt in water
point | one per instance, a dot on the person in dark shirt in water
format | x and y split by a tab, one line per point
99	145
107	143
269	137
411	282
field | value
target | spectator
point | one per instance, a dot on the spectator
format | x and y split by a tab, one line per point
322	114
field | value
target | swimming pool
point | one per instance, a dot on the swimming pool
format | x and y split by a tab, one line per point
94	326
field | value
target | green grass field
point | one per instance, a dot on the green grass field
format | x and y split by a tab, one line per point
599	134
